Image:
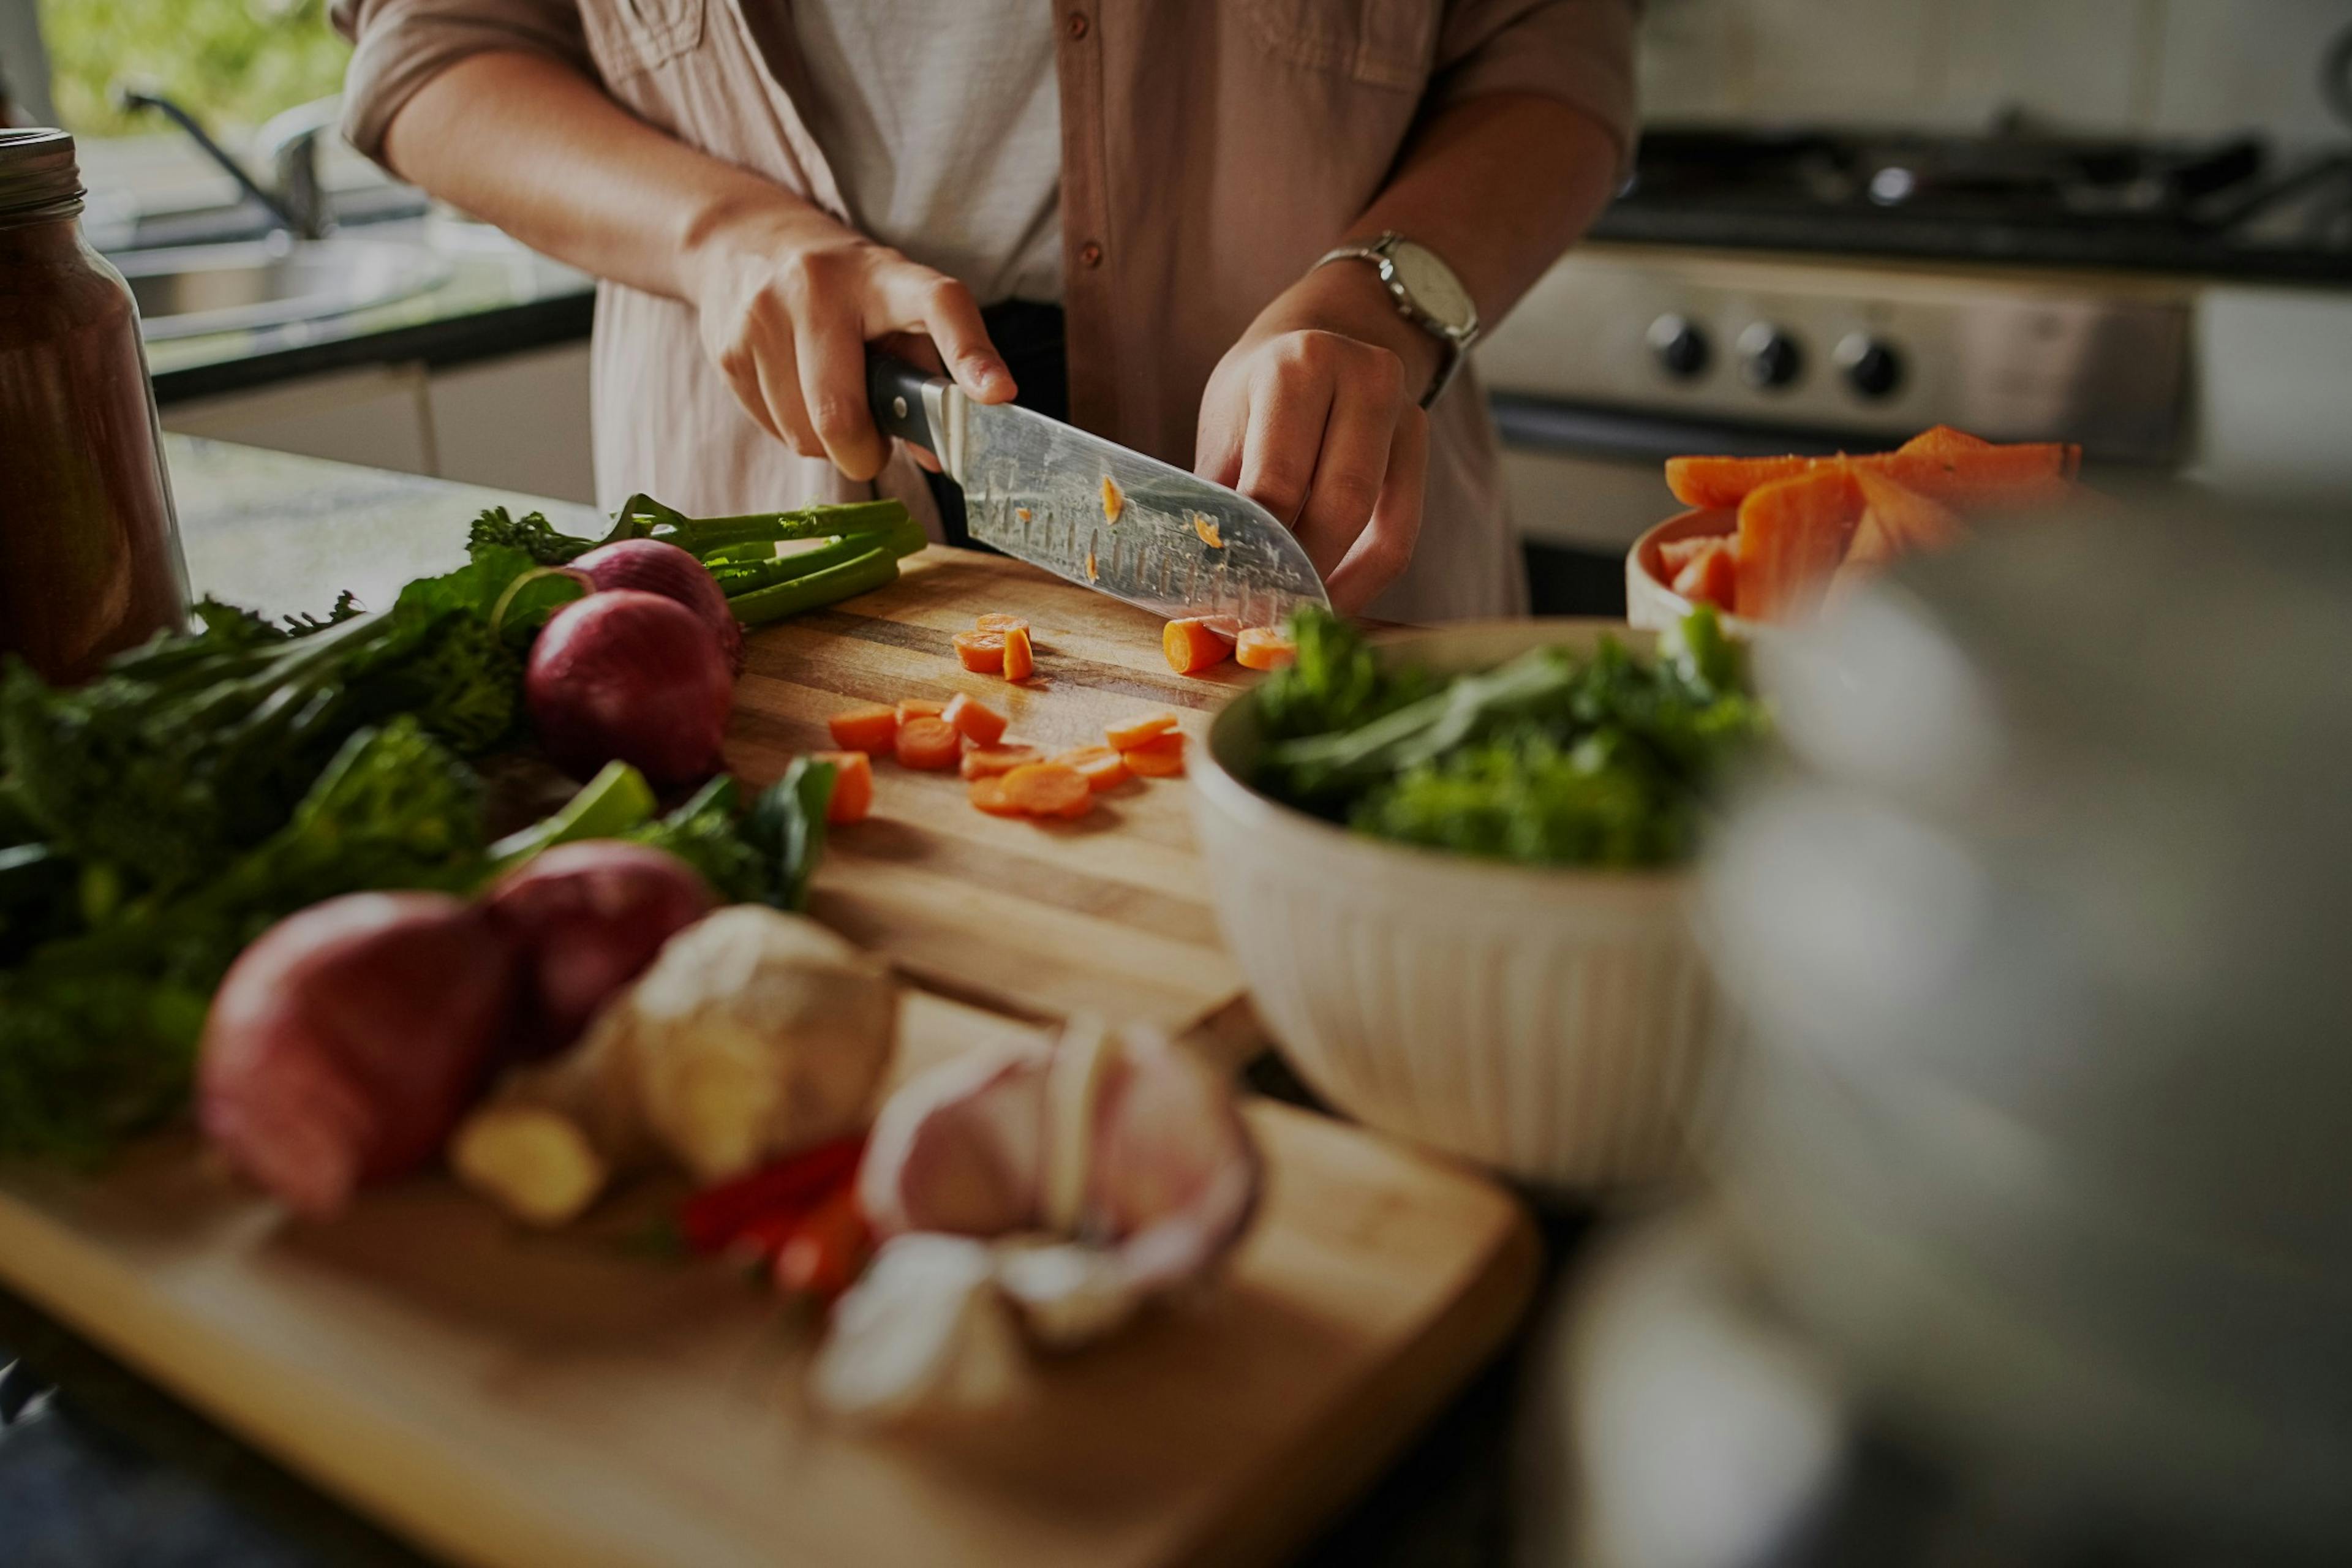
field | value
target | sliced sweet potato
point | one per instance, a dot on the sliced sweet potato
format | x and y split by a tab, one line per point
1792	534
1020	657
872	728
975	721
987	761
1264	647
1049	789
1162	757
1711	575
928	744
1195	644
982	652
853	785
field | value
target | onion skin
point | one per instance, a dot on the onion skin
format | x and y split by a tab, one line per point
586	920
632	676
655	566
346	1042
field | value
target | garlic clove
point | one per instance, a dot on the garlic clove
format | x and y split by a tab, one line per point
923	1335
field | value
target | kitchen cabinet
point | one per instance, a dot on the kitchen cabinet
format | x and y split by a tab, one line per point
519	421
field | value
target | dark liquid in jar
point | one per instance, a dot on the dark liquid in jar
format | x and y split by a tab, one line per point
90	556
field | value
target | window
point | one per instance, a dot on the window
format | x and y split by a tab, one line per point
233	63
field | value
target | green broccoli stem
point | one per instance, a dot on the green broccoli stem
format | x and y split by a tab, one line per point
861	573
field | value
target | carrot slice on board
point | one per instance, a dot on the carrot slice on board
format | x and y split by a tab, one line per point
1195	644
928	744
853	785
872	728
1131	732
988	795
1264	647
1162	758
1049	789
1100	766
1711	576
975	721
1792	534
1020	659
981	652
919	707
1000	623
987	761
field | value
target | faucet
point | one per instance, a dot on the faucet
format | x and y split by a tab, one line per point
290	141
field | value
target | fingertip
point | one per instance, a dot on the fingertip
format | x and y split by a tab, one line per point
987	381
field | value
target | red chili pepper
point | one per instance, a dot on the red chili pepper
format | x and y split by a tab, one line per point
824	1255
716	1216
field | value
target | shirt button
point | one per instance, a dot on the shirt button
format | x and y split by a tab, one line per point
1090	253
1077	25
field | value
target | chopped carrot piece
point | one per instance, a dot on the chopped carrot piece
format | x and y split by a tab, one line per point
988	793
1264	647
1000	623
1113	500
1677	553
1100	766
981	652
1160	758
1206	527
1194	645
853	785
1942	440
928	744
1792	534
975	721
1942	464
1725	481
872	728
1711	576
1020	659
919	707
987	761
1049	789
1900	520
1130	733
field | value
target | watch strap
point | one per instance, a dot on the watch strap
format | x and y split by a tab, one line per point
1452	343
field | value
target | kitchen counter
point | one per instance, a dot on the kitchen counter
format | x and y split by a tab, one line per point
111	1470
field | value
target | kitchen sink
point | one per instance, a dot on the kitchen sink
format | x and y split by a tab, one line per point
187	291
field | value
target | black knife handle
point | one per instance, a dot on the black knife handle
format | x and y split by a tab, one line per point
894	389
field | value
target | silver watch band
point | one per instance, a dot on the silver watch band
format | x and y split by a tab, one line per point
1454	340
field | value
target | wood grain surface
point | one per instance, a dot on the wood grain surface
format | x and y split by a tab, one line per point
1109	914
504	1398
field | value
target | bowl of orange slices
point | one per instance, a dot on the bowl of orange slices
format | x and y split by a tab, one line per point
1768	539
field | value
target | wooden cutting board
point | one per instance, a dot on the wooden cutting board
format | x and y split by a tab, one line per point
1109	914
503	1398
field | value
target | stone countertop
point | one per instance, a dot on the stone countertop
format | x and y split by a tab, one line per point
107	1471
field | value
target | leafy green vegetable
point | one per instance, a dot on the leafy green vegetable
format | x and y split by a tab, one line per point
765	854
1612	761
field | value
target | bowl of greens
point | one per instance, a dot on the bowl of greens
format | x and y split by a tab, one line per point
1452	863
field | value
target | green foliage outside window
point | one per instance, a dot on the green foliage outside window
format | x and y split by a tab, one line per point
233	62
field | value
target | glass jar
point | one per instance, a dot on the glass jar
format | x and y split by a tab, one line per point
89	550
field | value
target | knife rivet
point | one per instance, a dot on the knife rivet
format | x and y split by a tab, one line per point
1090	253
898	408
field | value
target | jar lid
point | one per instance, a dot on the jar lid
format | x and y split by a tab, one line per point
38	176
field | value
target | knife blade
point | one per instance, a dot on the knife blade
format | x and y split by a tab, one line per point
1093	511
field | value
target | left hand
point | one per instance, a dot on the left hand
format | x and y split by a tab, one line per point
1316	416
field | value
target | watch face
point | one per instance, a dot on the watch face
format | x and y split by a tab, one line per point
1432	285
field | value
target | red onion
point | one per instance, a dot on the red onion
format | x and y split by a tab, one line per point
657	568
587	917
630	675
346	1042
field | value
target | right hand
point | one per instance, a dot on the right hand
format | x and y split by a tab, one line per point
789	298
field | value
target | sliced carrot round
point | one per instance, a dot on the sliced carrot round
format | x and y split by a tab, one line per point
1001	624
987	761
1162	758
872	728
1099	765
981	652
1264	647
989	795
1049	789
974	720
853	785
928	743
1131	732
919	707
1198	642
1020	659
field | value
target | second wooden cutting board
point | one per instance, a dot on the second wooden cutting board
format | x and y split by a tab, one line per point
1110	914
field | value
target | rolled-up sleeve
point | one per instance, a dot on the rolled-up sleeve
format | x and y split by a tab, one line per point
401	45
1579	51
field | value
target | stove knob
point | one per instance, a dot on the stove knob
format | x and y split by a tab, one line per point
1873	369
1770	357
1681	346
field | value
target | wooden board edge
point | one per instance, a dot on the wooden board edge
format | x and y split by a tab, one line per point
372	1467
1303	1490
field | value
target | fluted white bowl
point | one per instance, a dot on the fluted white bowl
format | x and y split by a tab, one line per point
1649	601
1551	1023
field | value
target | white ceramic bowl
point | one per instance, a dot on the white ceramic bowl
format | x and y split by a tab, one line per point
1551	1023
1650	604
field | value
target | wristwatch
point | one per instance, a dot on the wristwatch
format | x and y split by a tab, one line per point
1426	293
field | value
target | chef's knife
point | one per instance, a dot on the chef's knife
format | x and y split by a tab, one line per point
1095	512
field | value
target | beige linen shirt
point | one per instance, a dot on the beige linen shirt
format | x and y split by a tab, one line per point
1211	151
